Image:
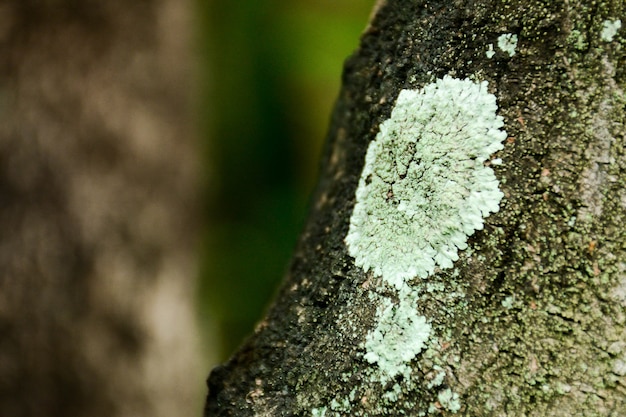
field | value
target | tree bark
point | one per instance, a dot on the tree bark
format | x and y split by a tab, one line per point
530	319
97	217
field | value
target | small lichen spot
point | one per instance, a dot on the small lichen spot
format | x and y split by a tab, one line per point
399	336
508	302
449	400
508	43
426	185
318	412
609	29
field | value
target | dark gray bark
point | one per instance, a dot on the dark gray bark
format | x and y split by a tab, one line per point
530	321
97	210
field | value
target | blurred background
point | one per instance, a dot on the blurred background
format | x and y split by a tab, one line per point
156	159
270	74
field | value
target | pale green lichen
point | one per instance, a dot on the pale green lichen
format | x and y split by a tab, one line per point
449	400
508	302
490	52
439	377
319	412
393	394
609	29
508	43
399	336
425	187
619	367
340	404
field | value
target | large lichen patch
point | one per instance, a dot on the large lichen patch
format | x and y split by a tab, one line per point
426	185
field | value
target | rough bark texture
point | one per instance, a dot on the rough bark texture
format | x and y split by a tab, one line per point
97	183
531	319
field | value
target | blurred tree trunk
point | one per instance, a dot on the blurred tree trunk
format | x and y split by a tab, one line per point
531	319
97	209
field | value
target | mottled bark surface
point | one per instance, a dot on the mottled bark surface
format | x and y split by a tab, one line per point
531	319
97	217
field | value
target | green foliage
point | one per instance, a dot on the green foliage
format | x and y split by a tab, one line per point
270	74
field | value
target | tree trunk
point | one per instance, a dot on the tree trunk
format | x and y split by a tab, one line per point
459	258
97	218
